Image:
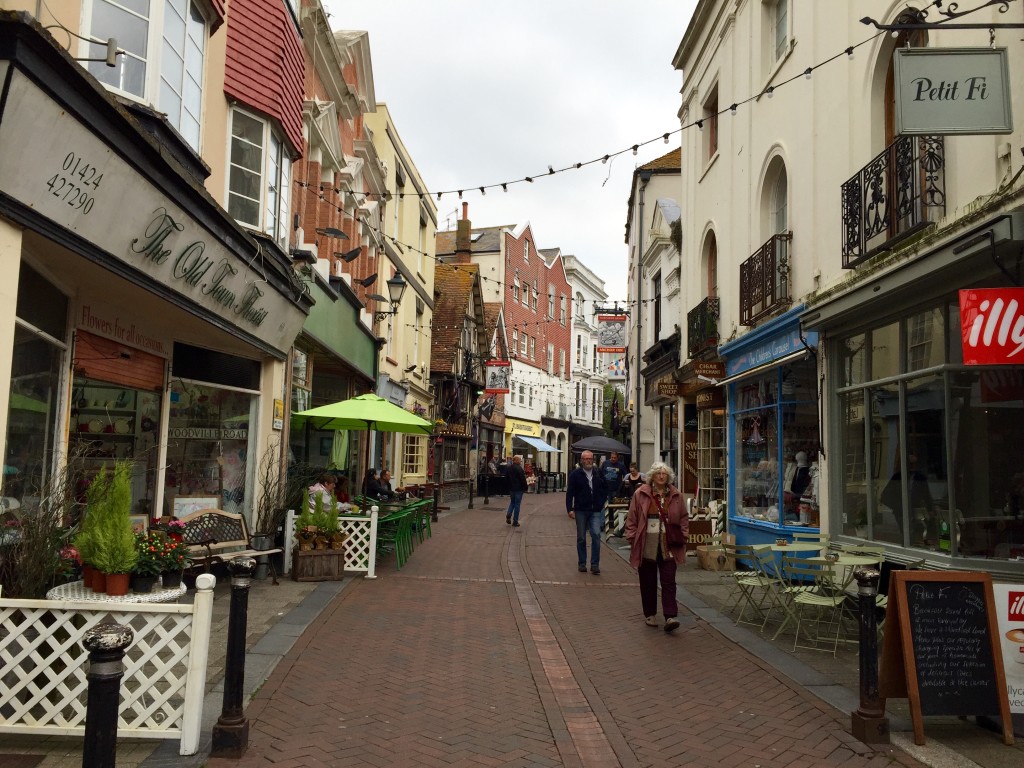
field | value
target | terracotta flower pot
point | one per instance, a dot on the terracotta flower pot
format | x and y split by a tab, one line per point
99	581
117	583
87	574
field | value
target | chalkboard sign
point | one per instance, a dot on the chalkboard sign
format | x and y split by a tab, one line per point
941	647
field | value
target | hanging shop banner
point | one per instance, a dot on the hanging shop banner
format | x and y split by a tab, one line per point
611	333
497	373
952	91
992	326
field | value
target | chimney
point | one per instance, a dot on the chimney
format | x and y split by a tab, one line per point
463	242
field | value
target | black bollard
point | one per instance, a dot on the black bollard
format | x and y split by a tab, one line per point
471	493
437	502
487	482
105	644
869	723
231	733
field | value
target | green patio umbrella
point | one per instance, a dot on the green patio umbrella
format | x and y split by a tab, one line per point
366	413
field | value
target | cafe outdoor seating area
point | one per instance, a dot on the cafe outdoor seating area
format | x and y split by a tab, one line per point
804	589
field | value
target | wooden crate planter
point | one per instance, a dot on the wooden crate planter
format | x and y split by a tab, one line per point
318	564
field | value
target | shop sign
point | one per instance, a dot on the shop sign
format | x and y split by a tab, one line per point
670	389
497	374
1009	600
207	433
770	349
516	427
64	171
611	333
710	398
278	422
711	369
992	326
952	91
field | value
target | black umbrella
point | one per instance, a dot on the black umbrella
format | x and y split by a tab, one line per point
601	444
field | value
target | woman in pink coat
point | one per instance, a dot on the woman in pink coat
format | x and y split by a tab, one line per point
657	526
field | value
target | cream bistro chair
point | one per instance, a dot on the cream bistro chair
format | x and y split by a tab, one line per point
820	610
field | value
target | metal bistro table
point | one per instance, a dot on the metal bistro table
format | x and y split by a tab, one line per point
76	591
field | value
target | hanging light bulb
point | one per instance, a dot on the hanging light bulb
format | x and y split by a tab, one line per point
550	170
529	179
483	191
666	138
635	148
769	91
807	73
460	194
700	125
579	165
849	52
438	195
504	187
604	159
732	108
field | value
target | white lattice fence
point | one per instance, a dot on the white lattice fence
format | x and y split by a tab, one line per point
360	546
43	685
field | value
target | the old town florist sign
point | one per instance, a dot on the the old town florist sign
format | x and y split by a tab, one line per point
992	326
952	91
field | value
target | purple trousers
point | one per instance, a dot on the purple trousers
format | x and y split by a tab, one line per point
649	572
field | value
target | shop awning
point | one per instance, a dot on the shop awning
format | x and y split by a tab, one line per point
798	355
537	443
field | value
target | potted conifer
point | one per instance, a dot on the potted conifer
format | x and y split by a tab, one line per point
109	498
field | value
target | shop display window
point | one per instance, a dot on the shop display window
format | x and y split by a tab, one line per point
209	441
930	458
775	446
710	456
111	423
37	363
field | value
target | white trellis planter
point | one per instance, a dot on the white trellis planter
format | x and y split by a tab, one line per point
43	685
360	546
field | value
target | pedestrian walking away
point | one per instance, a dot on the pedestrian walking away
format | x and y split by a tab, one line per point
516	489
657	526
585	496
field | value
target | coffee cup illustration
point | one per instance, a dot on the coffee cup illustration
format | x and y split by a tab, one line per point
1016	636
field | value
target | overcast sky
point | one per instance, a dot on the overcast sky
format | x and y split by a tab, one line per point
489	91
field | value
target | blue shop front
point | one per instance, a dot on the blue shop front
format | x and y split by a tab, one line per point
773	431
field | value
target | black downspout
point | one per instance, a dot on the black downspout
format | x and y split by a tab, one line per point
645	176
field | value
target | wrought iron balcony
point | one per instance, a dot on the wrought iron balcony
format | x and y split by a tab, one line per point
764	279
702	326
899	192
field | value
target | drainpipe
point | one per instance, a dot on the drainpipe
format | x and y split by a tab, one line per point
645	176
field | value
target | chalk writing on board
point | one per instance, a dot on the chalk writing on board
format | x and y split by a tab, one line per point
952	646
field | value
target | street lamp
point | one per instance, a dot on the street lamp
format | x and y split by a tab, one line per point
396	289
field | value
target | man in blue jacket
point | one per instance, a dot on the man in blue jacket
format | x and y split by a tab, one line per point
585	495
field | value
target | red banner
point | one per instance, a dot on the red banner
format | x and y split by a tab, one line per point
992	326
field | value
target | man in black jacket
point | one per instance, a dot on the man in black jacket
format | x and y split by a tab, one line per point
516	489
585	496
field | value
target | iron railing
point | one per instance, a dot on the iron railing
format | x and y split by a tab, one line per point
764	279
899	192
702	326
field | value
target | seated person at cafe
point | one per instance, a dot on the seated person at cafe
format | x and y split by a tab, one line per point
323	489
341	490
384	490
371	485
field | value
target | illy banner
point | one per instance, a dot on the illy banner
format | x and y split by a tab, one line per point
992	326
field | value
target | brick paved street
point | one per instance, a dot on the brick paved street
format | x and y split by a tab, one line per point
489	648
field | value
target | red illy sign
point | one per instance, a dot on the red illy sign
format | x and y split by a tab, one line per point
992	326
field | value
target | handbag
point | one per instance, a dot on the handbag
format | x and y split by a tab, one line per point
674	536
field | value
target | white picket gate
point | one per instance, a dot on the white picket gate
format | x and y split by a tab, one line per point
43	684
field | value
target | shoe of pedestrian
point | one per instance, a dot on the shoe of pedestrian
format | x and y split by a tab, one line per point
508	519
582	569
515	525
651	621
596	571
671	624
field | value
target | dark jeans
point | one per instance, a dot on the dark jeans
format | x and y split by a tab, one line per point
514	503
649	572
589	521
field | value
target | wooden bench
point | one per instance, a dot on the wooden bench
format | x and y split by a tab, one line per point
216	536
